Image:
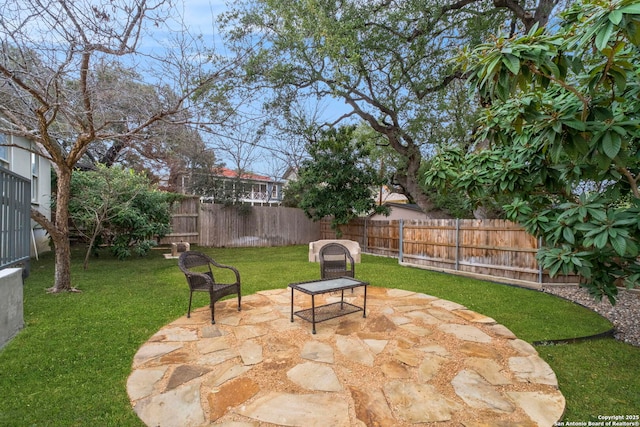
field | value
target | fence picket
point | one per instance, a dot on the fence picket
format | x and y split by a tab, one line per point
497	248
213	225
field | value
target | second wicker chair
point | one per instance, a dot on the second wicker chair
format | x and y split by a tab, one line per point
336	261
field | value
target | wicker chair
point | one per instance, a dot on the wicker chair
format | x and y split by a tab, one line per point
197	267
335	261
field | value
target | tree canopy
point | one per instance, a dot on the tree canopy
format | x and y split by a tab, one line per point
560	136
386	60
119	208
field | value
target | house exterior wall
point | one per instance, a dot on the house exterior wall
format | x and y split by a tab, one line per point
260	193
17	157
399	213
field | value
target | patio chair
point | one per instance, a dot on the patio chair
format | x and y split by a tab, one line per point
197	267
335	261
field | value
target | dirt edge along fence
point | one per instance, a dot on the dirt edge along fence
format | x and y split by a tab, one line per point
495	250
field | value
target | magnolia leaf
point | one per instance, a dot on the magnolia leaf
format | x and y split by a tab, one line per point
568	235
576	124
511	62
620	79
633	9
632	248
611	144
615	16
598	215
619	130
488	71
603	36
554	267
619	245
600	240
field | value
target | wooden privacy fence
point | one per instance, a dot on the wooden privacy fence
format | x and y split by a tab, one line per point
185	223
492	249
214	225
495	250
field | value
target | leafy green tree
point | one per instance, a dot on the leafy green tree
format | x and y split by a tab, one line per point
118	207
561	137
335	182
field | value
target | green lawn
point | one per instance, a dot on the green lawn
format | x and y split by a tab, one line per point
69	366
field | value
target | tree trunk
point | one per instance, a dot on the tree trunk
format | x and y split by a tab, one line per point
59	231
63	266
410	182
484	212
540	16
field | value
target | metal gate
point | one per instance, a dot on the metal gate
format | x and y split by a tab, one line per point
15	219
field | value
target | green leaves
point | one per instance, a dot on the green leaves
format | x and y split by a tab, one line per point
564	261
604	34
611	144
512	63
336	181
120	208
563	127
615	16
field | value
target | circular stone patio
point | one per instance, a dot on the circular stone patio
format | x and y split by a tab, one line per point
413	359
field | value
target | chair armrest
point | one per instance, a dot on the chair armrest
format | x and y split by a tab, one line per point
195	278
228	267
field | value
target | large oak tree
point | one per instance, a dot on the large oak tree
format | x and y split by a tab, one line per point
387	60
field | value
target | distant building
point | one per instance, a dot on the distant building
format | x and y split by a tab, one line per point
408	211
250	188
385	195
291	174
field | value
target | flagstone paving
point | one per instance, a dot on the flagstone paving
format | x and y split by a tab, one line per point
415	359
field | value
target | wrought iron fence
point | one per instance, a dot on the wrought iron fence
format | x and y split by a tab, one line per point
15	219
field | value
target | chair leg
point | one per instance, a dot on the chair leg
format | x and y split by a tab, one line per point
189	310
239	298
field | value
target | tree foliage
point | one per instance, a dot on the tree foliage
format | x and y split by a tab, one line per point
162	146
386	60
561	136
119	208
336	182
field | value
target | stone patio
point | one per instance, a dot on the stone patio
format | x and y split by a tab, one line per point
415	359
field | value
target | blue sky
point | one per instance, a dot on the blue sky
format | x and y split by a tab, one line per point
200	18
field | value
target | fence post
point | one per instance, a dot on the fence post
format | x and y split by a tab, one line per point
457	244
199	221
400	234
540	272
365	236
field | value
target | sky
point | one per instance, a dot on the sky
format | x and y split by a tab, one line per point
199	16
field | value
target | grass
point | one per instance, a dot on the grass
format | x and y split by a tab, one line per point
69	365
